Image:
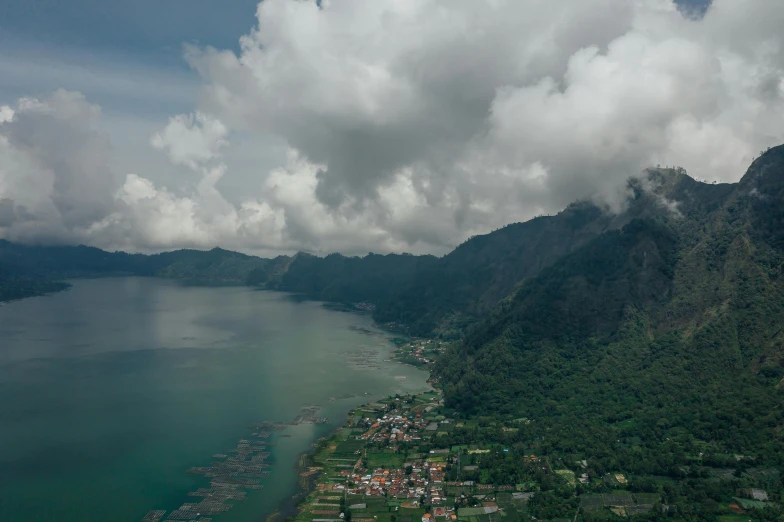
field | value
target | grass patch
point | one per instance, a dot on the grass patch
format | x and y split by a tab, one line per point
567	475
385	460
746	503
416	514
350	446
591	502
647	498
734	518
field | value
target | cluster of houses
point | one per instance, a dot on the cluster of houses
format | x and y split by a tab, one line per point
418	483
418	350
382	482
391	429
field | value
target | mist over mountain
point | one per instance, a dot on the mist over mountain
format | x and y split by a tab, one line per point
428	294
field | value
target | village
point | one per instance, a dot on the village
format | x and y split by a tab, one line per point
386	466
394	462
373	471
418	352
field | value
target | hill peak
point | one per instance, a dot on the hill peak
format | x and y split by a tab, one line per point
766	173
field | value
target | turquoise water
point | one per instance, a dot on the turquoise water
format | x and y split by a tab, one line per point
110	391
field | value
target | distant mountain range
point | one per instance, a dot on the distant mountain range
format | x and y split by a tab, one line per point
425	294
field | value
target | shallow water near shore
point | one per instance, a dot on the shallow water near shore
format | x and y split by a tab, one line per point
110	391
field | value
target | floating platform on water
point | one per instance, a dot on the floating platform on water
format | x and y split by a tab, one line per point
154	516
234	473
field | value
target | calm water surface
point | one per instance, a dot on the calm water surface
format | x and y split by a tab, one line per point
110	391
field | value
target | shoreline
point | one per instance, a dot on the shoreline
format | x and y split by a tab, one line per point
308	479
342	464
52	287
310	471
307	471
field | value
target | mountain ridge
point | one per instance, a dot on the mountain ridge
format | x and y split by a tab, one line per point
425	295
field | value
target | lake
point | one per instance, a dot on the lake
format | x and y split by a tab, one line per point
111	390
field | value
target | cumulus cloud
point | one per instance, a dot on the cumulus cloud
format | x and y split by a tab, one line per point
499	110
413	124
6	113
55	172
191	139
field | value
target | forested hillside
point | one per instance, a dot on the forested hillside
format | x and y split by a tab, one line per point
27	270
373	278
669	326
18	283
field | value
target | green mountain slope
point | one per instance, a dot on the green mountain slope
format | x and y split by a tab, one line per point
471	280
17	283
670	326
371	279
27	270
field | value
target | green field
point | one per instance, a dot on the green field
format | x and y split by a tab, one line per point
746	503
385	460
734	518
350	446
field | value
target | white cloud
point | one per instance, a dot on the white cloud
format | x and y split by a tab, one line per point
55	167
6	113
191	139
499	110
413	124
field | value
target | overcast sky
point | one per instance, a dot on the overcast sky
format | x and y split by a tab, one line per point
356	126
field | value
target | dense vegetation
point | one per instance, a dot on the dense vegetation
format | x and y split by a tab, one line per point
652	349
17	283
27	270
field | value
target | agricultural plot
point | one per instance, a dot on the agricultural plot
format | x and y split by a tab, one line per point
376	502
591	502
446	426
457	490
372	508
486	517
763	475
746	503
383	517
734	518
521	500
567	475
638	509
647	498
618	499
507	502
385	460
350	446
614	479
722	474
415	513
